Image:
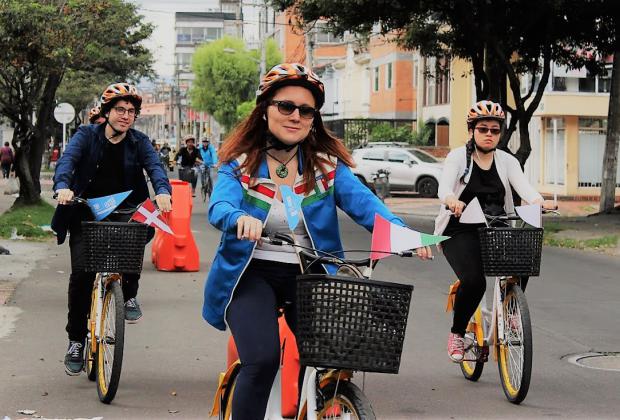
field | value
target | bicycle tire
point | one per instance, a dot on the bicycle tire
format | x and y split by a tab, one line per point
472	366
346	396
515	372
91	344
110	361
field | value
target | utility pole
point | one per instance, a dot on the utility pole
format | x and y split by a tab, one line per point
263	14
309	48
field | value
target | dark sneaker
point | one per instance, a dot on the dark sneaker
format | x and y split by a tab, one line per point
74	359
132	311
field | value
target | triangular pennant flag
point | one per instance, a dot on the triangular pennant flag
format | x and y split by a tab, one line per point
388	237
292	206
149	215
103	206
531	214
473	213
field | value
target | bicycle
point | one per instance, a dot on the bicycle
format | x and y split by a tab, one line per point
206	183
508	254
111	249
344	325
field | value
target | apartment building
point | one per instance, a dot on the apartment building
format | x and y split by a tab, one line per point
191	30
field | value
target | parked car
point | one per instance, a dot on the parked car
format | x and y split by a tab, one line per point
411	169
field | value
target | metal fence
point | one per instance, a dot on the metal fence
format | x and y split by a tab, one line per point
356	132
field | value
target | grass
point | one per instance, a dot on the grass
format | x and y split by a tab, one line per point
608	241
26	221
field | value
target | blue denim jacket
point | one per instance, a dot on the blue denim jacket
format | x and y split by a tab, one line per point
78	165
238	194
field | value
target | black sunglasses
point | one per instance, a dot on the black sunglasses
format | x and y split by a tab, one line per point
484	130
287	108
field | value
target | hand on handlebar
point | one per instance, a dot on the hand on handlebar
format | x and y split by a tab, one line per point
64	196
455	206
163	202
424	253
249	228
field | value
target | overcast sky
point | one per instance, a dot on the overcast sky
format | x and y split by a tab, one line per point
161	14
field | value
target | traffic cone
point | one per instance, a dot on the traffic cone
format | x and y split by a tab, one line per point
177	252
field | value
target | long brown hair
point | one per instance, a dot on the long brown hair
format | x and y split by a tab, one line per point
250	137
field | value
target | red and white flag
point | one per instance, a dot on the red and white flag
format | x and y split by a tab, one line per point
149	215
388	237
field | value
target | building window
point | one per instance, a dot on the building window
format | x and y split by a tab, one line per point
213	34
375	83
554	156
559	84
184	61
184	35
388	76
592	134
323	36
437	89
415	73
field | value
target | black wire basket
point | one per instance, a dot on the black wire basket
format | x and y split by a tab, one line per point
113	247
351	323
510	251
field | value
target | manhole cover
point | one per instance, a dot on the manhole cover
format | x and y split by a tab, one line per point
596	360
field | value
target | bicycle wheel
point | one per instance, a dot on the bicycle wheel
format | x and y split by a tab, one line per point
346	401
110	349
473	360
515	351
91	343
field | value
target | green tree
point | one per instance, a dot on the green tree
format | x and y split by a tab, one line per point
244	109
42	40
227	74
80	88
502	39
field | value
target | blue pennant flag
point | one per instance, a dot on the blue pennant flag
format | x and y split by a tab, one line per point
292	205
103	206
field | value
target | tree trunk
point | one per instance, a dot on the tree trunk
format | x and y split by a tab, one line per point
32	140
610	157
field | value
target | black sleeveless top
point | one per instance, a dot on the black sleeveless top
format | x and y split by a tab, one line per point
488	187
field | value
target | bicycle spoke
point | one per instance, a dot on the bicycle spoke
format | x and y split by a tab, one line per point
514	340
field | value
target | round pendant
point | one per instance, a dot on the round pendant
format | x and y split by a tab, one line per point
282	171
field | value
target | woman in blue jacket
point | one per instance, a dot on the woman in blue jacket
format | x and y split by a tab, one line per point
282	142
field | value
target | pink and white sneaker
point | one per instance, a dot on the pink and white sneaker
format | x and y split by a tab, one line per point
455	348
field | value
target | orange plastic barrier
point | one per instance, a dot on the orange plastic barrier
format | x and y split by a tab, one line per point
290	367
177	252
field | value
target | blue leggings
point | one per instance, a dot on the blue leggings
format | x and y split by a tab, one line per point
253	319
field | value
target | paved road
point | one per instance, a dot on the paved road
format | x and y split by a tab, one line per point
172	350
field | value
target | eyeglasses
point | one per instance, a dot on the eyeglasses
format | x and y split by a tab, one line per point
287	108
484	130
122	111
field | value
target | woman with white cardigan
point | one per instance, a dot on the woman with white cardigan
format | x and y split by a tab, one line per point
479	170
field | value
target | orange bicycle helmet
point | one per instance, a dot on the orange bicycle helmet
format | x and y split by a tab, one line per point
485	110
117	91
93	114
291	74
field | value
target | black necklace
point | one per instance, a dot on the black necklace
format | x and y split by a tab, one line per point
282	170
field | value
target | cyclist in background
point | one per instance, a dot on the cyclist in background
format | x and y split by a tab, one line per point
188	160
479	170
209	160
282	142
94	115
101	160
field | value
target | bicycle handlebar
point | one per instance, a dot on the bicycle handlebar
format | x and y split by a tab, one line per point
82	201
513	216
281	239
